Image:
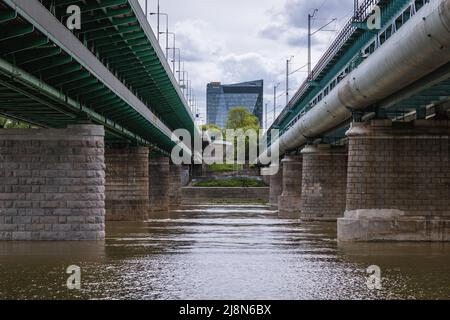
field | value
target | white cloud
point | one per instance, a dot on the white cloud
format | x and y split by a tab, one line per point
236	41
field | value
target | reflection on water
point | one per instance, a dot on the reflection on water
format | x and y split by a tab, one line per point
223	252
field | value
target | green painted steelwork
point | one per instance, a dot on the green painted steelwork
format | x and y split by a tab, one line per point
112	31
348	54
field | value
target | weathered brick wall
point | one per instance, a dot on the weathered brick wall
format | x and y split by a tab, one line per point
175	185
52	183
290	199
324	182
159	186
127	184
402	166
276	186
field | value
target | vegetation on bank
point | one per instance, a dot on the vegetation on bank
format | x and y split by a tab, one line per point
6	123
225	167
230	183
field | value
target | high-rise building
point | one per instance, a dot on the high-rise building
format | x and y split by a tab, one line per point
221	98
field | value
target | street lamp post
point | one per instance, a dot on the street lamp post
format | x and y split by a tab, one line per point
158	16
174	45
275	101
167	29
179	67
310	34
287	79
310	17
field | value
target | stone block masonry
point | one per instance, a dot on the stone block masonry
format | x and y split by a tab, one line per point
127	184
290	199
398	182
175	186
52	183
159	185
276	184
324	182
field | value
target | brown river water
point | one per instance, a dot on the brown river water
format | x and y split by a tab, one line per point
223	252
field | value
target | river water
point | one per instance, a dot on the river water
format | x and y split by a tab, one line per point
223	252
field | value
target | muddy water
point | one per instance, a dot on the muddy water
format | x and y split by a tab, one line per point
223	252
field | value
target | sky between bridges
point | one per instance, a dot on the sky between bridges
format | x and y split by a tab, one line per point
241	40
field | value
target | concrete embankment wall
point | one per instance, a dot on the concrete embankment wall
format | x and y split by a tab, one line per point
194	195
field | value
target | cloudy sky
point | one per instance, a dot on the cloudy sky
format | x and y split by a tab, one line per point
241	40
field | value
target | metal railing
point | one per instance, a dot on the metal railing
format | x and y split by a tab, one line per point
361	14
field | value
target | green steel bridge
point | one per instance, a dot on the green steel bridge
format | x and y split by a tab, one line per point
355	45
110	72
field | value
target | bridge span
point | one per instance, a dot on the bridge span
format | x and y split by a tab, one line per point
368	131
103	103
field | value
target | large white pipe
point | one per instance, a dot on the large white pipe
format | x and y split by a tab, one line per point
418	48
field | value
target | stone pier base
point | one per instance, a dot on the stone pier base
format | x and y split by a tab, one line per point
398	182
290	200
52	183
127	197
323	182
159	185
391	225
276	184
175	186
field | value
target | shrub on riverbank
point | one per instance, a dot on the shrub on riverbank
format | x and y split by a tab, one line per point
230	183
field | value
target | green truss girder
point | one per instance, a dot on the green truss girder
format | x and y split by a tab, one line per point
113	39
36	54
108	14
23	43
114	24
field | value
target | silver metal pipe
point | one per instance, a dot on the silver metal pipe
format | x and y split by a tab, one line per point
420	47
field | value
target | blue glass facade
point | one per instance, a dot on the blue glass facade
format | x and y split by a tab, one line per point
222	98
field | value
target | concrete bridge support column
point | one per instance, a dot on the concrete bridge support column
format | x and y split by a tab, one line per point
159	182
276	184
323	182
398	182
127	189
52	183
289	201
175	186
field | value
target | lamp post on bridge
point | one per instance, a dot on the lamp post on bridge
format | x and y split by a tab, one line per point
275	87
179	62
288	62
174	45
167	29
310	34
185	76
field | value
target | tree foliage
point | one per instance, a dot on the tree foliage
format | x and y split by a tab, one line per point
11	124
241	118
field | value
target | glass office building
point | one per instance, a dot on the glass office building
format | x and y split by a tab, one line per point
221	98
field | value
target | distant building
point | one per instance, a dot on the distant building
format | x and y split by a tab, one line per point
221	98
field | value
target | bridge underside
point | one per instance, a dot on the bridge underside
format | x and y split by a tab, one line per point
43	83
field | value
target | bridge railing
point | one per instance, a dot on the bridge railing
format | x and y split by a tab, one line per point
362	12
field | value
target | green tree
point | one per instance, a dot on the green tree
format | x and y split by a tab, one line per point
11	124
241	118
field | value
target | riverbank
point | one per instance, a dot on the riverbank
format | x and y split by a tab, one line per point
224	195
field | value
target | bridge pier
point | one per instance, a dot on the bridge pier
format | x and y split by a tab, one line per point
52	183
276	185
127	184
398	182
323	182
290	200
175	186
159	185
